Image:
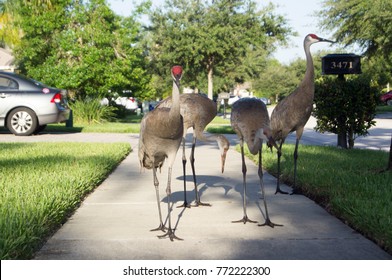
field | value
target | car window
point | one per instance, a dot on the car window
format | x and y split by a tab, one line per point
6	83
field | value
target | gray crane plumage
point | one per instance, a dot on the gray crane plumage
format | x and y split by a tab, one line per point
250	121
160	137
292	113
197	111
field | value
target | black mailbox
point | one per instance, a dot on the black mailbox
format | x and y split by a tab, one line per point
337	64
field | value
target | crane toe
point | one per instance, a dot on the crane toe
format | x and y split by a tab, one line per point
244	220
185	205
278	190
269	223
161	227
170	234
199	203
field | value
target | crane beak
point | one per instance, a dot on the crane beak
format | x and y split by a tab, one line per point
326	40
271	142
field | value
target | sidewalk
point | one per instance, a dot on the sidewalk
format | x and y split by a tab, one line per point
114	222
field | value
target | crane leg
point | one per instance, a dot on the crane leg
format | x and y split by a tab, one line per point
245	218
170	231
260	173
295	189
185	204
278	190
192	160
156	185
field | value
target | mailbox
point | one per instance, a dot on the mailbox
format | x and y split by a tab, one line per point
224	95
340	64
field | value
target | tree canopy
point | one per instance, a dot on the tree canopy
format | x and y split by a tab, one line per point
362	22
81	46
213	37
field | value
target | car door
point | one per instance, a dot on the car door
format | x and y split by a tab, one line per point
8	96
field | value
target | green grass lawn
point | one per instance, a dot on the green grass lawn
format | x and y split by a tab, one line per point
384	109
41	184
351	184
131	125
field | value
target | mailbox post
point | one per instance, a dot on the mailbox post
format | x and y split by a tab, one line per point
224	96
341	64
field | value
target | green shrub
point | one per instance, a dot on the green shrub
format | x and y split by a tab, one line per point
345	107
91	111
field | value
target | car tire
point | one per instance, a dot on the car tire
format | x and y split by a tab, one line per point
22	121
40	128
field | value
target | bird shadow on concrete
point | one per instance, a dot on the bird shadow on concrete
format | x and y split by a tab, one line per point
203	182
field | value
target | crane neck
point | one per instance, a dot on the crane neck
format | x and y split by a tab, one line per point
309	74
219	138
175	108
256	142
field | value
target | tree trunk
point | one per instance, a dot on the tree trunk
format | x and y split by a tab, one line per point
342	136
390	157
210	83
342	140
350	135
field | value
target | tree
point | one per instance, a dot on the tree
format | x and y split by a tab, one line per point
81	46
277	80
212	37
10	33
345	107
362	22
274	82
365	23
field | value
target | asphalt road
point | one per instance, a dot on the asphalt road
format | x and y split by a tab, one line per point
379	137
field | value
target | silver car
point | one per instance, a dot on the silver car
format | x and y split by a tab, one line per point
27	106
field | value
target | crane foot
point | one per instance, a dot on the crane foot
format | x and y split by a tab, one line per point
199	203
161	227
244	220
278	190
185	205
269	223
296	191
169	234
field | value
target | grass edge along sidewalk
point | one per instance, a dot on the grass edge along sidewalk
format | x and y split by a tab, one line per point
41	184
351	184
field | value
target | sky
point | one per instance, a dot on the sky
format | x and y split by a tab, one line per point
299	14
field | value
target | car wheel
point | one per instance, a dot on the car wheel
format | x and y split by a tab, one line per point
22	121
389	102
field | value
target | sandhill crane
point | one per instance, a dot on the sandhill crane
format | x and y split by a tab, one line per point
197	111
250	120
292	113
161	132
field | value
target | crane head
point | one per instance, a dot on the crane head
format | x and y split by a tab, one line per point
314	39
176	72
